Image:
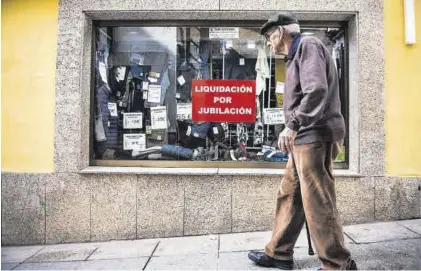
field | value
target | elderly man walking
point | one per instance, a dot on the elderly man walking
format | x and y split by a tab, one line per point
314	132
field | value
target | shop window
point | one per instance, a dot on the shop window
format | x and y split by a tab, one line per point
193	96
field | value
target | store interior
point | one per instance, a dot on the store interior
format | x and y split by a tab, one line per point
143	92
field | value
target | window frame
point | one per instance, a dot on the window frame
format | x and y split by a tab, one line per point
343	25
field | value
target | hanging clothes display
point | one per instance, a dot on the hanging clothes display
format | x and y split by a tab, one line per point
262	71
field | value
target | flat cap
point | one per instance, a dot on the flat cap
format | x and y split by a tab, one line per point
282	18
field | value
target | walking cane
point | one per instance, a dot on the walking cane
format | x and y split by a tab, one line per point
310	248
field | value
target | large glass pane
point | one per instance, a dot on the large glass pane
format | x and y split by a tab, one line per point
188	93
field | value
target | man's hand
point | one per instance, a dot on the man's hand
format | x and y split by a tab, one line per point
286	140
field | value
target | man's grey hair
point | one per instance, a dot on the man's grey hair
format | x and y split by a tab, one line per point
292	29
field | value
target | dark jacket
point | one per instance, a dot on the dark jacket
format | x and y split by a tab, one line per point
311	99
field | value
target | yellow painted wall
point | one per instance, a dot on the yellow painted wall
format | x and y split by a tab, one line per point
402	92
29	37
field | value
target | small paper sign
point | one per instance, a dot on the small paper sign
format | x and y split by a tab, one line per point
145	85
152	80
134	141
121	73
224	33
113	109
184	111
228	44
251	44
242	62
159	117
280	87
181	80
148	130
132	120
103	72
273	116
154	95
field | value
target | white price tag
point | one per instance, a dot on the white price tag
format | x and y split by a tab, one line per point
215	130
132	120
181	80
280	87
196	135
273	116
145	85
103	72
177	95
159	117
145	95
251	44
113	109
242	62
152	80
134	141
155	74
228	44
184	111
148	130
188	131
154	95
121	73
224	33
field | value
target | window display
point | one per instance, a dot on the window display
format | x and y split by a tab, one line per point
190	93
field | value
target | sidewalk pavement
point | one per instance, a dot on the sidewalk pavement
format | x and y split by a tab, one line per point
386	245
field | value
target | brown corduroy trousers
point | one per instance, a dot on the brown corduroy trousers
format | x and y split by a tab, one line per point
308	191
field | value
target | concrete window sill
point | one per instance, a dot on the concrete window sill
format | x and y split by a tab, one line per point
200	171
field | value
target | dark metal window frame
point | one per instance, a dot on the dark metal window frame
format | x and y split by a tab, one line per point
208	23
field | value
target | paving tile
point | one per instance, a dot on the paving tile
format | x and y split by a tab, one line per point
244	241
18	254
413	225
376	232
393	255
184	245
8	266
114	264
238	261
256	241
64	252
303	260
49	266
124	249
302	239
184	262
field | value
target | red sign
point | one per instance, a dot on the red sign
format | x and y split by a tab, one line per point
224	100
